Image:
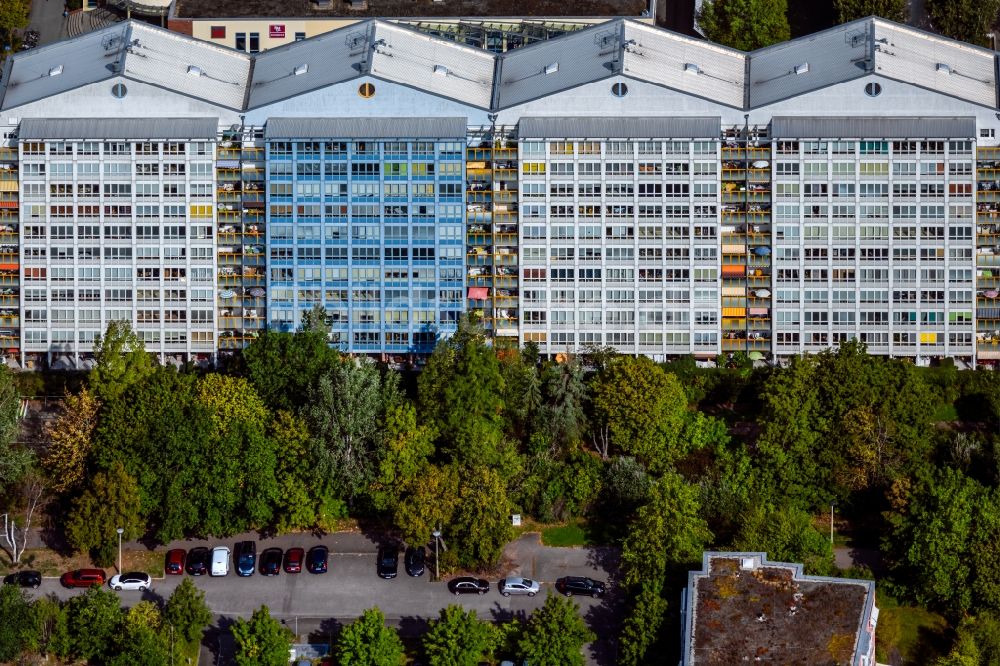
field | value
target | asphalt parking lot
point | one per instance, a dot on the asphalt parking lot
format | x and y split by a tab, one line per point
317	604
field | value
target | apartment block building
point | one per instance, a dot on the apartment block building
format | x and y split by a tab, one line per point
616	185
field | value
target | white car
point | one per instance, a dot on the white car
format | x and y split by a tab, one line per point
220	561
133	580
514	585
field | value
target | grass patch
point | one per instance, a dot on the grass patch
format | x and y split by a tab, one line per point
945	413
51	563
572	534
150	561
909	634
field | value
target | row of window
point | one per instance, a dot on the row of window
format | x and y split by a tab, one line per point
117	274
117	190
149	338
364	149
32	295
115	148
117	169
34	232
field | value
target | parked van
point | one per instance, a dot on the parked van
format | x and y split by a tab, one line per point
220	561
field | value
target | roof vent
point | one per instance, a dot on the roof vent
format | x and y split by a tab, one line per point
942	68
552	69
194	70
300	70
801	69
56	71
748	563
691	68
441	70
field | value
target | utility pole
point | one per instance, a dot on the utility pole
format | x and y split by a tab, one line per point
120	532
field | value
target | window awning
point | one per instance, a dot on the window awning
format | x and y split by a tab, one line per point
479	293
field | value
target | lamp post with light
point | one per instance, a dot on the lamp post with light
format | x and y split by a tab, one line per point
120	531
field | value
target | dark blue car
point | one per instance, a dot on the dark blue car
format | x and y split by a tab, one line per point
246	558
316	560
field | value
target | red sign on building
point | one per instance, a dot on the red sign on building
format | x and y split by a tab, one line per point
276	31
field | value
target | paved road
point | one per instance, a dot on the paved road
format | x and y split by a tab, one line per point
321	603
47	18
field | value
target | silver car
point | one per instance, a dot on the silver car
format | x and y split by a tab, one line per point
517	585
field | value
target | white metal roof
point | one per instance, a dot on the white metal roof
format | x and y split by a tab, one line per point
945	65
49	70
689	65
793	68
236	80
558	64
188	66
300	67
436	65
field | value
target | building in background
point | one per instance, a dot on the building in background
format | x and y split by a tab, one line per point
742	608
617	185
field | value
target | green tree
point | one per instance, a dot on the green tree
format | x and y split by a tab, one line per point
965	20
285	367
480	526
841	422
110	501
745	24
187	611
644	409
261	640
457	638
368	642
565	396
521	393
346	419
94	621
402	456
141	645
70	439
786	535
18	629
13	16
626	481
15	460
52	621
931	534
460	395
121	361
667	531
850	10
232	400
428	501
555	634
641	627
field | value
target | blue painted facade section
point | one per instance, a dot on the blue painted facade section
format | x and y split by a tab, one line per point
373	231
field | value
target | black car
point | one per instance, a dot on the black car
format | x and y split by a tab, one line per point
30	579
570	585
316	560
197	562
414	561
468	585
246	558
388	561
270	562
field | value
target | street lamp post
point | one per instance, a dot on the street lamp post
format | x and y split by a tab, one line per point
437	537
832	505
120	532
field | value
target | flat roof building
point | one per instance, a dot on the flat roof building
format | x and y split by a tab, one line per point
618	185
743	608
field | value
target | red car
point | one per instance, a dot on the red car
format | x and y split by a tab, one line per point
175	562
293	560
83	578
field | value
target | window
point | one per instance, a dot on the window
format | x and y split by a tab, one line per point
619	90
300	36
873	89
366	90
987	133
241	41
254	42
218	32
